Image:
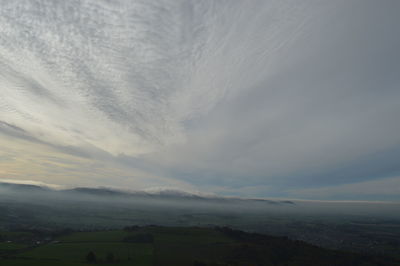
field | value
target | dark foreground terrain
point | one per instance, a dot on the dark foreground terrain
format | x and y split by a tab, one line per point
154	245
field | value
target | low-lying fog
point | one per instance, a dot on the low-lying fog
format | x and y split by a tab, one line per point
351	225
109	199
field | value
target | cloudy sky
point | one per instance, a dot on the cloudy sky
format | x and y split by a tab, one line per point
268	98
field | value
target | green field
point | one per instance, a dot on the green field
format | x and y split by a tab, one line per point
73	248
104	236
11	246
164	246
141	254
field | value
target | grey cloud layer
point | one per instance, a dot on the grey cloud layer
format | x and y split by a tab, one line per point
217	93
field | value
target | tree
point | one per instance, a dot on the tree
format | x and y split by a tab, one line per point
110	257
91	257
198	263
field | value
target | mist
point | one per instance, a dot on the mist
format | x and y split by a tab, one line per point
141	207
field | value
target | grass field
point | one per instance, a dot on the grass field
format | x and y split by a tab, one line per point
11	246
141	254
171	246
104	236
175	246
33	262
72	249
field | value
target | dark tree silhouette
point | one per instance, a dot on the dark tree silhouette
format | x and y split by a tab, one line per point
91	257
110	257
199	263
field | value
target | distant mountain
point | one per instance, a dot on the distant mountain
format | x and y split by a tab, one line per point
167	194
172	194
96	191
158	194
23	187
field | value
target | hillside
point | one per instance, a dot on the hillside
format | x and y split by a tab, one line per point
154	245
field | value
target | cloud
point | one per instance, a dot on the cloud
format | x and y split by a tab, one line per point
328	114
265	96
22	159
386	188
30	182
124	77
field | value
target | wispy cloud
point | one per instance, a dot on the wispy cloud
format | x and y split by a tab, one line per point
125	76
386	188
224	95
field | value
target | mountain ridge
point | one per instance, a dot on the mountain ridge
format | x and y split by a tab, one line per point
112	192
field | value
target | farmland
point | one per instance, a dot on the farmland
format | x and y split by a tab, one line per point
155	245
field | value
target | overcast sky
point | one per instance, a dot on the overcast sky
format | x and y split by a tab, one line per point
269	98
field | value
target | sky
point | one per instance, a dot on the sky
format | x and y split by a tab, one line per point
260	98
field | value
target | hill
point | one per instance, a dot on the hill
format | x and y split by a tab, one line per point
155	245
